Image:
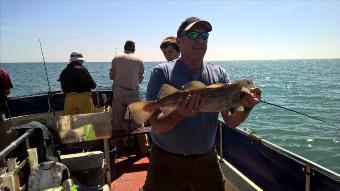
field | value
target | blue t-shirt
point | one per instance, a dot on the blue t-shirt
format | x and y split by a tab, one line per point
192	135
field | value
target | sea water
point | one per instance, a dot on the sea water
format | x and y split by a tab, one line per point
308	86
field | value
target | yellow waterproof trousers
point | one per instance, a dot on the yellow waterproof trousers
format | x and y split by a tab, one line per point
78	103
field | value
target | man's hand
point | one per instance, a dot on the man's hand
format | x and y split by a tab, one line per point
189	106
251	97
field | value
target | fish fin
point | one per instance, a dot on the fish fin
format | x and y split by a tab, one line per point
214	86
141	111
194	85
166	90
167	109
240	108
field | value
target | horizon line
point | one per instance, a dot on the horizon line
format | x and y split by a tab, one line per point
204	61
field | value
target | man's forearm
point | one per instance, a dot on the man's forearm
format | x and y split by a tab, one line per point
112	74
236	118
161	123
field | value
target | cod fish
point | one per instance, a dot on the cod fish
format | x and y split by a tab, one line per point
214	98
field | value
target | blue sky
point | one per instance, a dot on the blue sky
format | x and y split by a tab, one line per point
242	30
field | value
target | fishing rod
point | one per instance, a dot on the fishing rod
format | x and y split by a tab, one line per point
48	81
315	118
279	106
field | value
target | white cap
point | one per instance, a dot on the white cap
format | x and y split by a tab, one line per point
76	56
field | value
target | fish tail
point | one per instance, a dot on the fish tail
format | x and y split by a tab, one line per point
141	111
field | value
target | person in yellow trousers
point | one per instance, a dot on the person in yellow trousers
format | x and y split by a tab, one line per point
76	82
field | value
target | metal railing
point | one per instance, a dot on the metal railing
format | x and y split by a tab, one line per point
308	166
16	143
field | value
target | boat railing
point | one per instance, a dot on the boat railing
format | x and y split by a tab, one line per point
48	102
309	168
30	157
309	165
57	91
31	126
16	143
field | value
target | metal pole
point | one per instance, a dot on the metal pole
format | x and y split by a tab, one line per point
98	105
15	144
308	172
221	140
108	161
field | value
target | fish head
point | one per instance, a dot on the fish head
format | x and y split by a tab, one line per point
237	90
246	83
220	97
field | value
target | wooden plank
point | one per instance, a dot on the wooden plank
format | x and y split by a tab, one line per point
138	131
84	127
107	160
83	161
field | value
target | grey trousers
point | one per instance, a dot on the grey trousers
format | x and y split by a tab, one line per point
121	99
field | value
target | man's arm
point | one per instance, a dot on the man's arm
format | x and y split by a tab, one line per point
6	82
112	73
189	107
161	123
62	81
236	118
141	73
87	78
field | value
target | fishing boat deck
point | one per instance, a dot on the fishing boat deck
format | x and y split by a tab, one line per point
260	161
130	167
129	173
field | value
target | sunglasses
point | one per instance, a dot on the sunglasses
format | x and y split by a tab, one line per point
193	35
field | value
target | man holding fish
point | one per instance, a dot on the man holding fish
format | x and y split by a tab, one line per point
183	114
